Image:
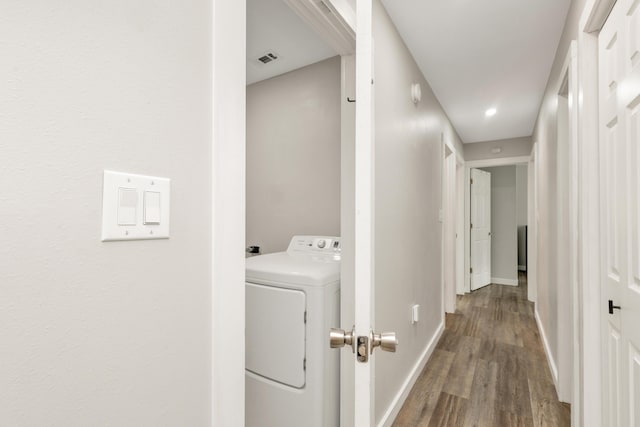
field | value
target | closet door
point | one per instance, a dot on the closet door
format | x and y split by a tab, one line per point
619	67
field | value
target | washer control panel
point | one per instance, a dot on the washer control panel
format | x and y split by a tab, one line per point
329	245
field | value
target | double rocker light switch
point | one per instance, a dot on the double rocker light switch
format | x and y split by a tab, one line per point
135	207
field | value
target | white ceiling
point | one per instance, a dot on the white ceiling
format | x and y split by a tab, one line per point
482	54
273	26
474	54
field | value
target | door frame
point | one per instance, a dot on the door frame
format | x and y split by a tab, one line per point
567	375
228	174
473	164
451	208
587	409
460	206
228	130
532	225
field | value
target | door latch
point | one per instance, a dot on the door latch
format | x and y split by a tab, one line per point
611	307
363	345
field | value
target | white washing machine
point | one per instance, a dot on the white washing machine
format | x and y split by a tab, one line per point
292	300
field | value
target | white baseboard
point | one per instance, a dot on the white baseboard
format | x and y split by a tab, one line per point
396	404
522	268
552	363
501	281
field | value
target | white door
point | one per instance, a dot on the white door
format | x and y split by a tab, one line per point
619	74
364	242
480	228
359	392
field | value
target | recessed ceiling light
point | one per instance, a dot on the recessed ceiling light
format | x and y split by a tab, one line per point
490	112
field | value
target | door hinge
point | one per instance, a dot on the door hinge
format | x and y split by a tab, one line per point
304	364
472	180
471	270
305	317
471	225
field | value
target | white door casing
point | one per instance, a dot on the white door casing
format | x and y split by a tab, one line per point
568	362
532	220
619	88
228	211
460	217
449	230
480	228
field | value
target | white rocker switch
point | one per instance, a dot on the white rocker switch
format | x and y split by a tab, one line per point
151	207
127	204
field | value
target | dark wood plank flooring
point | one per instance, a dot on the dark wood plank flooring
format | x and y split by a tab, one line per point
488	369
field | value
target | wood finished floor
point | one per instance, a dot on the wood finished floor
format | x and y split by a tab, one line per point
488	369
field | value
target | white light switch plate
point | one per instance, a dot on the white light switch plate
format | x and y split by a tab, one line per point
116	184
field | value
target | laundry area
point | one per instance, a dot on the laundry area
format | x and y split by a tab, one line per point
293	157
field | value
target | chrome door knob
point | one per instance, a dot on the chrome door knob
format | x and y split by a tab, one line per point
387	341
339	338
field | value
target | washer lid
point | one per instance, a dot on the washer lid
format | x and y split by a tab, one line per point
281	267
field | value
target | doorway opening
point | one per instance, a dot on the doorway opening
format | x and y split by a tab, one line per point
496	221
299	128
452	247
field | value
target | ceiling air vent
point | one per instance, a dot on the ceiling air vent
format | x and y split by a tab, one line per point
268	57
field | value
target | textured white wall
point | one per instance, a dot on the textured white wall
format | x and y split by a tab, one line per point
293	156
408	193
99	333
504	230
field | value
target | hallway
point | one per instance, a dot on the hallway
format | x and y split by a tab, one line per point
488	369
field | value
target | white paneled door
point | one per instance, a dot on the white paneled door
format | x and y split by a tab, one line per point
619	87
480	228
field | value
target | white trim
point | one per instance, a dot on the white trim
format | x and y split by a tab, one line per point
448	242
466	225
228	211
599	12
568	345
364	198
532	229
501	281
396	404
346	14
590	315
505	161
545	342
522	268
460	213
336	29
